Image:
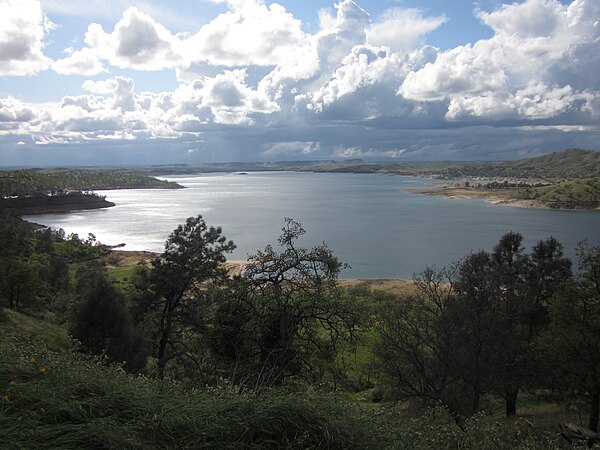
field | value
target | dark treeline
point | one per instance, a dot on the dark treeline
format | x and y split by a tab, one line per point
495	324
28	182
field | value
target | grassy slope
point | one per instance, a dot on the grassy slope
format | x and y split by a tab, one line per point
569	164
32	331
580	190
572	163
59	399
53	398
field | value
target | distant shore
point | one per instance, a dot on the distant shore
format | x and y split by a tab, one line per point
506	197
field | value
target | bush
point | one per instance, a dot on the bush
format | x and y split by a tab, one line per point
70	401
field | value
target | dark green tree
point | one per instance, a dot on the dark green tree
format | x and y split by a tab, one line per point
478	337
286	316
571	344
180	278
525	282
19	282
414	342
102	321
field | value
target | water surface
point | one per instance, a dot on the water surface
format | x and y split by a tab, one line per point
368	220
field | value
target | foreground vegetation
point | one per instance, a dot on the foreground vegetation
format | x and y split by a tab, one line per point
54	398
175	354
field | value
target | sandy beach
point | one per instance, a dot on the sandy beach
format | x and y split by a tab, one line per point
504	197
125	258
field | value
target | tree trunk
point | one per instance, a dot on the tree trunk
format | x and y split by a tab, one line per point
476	397
162	347
511	403
594	410
166	323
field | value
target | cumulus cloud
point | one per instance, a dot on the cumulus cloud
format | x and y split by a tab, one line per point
83	62
402	30
23	27
359	86
231	101
363	67
251	33
13	110
524	71
137	42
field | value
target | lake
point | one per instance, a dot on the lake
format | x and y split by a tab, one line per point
368	220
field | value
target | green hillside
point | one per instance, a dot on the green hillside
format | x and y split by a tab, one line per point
54	398
585	190
573	163
568	164
31	181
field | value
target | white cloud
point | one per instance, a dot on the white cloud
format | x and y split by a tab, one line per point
23	27
251	33
524	71
402	30
354	153
292	149
82	62
137	42
531	19
365	66
231	101
13	110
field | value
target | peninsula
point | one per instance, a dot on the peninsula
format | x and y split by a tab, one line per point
35	191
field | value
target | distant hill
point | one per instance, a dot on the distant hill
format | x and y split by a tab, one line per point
36	181
568	194
568	164
577	163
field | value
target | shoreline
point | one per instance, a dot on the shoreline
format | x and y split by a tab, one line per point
235	268
501	197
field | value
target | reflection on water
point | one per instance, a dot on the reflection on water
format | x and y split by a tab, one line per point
368	220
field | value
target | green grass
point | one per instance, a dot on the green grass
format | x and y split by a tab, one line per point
51	397
580	190
65	400
33	331
121	276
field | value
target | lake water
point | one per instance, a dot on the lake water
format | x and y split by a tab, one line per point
368	220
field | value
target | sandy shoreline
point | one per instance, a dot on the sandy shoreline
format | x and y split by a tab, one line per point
235	267
497	197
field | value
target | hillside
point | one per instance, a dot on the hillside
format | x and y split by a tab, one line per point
53	397
33	181
568	164
579	192
575	162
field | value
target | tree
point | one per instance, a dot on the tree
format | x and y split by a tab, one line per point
18	281
477	337
193	257
571	344
478	329
414	342
285	316
525	282
102	321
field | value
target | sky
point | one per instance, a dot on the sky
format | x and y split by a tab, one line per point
116	82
